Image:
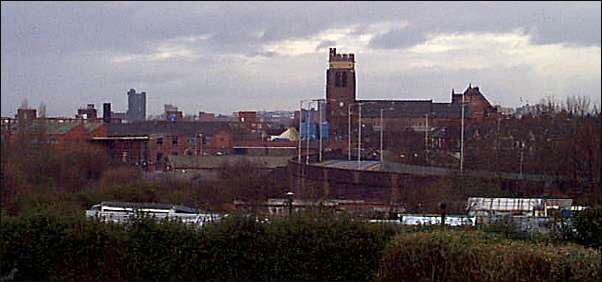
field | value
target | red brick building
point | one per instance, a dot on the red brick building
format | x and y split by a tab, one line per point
89	112
26	127
248	119
478	106
204	116
418	115
151	143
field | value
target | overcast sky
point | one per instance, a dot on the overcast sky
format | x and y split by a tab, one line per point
224	57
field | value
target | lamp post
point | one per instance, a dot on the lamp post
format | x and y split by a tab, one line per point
307	129
443	206
320	130
349	131
382	128
426	136
381	134
522	147
202	138
359	136
462	139
289	196
300	119
301	180
307	122
320	102
359	133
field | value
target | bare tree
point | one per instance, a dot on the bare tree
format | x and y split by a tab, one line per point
577	105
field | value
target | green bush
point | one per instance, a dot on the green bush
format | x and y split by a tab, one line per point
302	247
299	248
31	245
239	248
588	224
479	256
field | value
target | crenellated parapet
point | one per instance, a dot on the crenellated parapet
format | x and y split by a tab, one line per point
341	61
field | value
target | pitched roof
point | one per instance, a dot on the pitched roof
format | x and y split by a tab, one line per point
213	162
91	126
448	110
396	108
52	128
411	109
134	205
180	128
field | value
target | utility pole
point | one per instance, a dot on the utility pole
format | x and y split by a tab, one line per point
289	196
320	125
300	118
497	144
522	146
202	139
307	134
359	137
462	140
381	134
426	135
349	132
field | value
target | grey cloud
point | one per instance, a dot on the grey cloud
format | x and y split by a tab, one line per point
266	54
397	39
43	44
64	27
325	44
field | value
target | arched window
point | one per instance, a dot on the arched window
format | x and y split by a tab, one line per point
338	82
340	79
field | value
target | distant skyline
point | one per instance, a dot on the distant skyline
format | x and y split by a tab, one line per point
223	57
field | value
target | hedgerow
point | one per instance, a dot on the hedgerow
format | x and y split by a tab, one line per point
300	247
480	256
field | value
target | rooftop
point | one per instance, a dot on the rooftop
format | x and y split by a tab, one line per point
426	170
134	205
180	128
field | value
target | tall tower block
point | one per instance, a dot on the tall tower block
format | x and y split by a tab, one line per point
340	92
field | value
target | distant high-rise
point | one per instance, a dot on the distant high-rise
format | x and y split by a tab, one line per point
106	112
87	113
136	106
172	113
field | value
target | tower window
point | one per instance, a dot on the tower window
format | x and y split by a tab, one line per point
340	79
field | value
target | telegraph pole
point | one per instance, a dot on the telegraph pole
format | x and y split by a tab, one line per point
359	137
320	125
307	134
522	146
462	140
381	135
300	118
497	145
349	132
426	135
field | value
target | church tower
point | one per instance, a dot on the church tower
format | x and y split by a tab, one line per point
340	92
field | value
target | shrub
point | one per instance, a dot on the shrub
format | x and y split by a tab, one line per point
31	245
588	224
239	248
301	247
479	256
